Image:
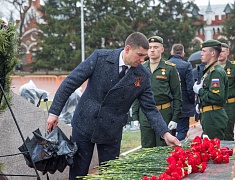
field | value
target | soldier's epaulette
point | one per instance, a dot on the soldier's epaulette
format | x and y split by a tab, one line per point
169	63
144	62
212	69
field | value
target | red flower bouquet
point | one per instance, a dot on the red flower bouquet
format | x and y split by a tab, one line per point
193	159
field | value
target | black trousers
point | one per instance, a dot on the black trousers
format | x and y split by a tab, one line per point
82	158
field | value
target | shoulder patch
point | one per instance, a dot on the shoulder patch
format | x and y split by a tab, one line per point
233	62
169	63
215	83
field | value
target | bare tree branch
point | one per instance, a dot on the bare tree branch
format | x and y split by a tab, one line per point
22	7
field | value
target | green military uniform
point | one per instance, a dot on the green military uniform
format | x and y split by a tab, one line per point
213	96
167	95
230	103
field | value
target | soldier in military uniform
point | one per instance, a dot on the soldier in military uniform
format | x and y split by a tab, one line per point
167	94
229	107
213	92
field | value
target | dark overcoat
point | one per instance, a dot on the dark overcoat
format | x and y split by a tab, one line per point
103	108
186	77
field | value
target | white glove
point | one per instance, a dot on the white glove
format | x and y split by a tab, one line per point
196	87
205	136
136	124
172	125
197	109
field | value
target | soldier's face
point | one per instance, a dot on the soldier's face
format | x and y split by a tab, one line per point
155	50
223	55
134	57
206	55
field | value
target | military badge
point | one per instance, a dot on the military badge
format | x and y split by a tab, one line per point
215	91
163	71
215	83
137	83
161	77
228	70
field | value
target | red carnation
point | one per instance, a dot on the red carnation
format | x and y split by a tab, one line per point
145	178
202	167
153	178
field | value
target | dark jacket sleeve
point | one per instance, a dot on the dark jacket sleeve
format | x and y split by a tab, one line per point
135	110
189	84
177	95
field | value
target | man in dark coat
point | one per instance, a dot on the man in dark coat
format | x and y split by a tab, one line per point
102	110
213	92
188	96
229	107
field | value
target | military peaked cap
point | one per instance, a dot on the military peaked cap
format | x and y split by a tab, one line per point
211	43
155	39
225	45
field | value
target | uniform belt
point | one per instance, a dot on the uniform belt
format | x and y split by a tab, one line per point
209	108
230	100
163	106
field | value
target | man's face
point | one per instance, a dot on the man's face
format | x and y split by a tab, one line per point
134	57
223	55
206	55
155	50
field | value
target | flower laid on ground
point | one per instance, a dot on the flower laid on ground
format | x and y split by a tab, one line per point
146	161
165	163
182	162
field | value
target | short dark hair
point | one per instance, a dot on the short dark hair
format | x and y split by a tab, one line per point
216	49
136	40
177	49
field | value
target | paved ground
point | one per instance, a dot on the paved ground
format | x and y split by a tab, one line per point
195	130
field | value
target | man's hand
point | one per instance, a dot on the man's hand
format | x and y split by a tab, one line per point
172	125
52	122
171	140
196	87
197	109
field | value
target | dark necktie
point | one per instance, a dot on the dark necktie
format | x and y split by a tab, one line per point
123	71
